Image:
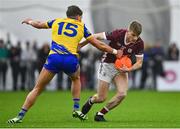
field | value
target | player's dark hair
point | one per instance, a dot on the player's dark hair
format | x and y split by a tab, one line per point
73	11
136	27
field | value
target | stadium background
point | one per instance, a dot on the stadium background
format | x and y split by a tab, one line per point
160	20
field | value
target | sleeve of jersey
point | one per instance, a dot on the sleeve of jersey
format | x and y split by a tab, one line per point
50	23
87	34
112	35
140	50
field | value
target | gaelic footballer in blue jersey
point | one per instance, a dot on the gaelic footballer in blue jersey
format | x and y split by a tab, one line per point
63	57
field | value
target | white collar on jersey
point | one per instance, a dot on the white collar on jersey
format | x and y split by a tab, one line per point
125	39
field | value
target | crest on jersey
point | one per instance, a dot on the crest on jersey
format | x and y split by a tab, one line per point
129	50
118	43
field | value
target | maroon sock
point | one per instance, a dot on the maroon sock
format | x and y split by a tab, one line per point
104	110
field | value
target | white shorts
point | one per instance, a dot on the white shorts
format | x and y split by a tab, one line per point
107	72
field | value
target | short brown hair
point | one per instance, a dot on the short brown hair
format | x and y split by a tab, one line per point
73	11
136	27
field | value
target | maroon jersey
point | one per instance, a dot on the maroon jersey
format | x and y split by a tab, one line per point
117	39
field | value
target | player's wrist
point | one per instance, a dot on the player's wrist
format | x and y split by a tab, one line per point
114	51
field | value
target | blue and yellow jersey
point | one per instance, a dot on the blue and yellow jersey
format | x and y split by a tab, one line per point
66	35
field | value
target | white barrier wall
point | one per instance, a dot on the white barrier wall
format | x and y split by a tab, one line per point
172	80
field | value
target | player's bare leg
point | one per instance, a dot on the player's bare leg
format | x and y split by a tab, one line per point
121	83
100	97
102	92
76	88
76	91
44	78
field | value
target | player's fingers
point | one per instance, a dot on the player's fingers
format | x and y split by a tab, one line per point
123	70
120	69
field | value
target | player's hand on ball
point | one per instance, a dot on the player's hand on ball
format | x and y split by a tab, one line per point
123	64
119	53
124	69
27	21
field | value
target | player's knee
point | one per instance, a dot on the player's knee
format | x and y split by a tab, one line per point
101	99
73	78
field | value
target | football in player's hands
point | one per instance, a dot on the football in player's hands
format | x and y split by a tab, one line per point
124	61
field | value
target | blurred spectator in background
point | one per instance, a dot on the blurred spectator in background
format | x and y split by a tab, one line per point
89	70
146	66
87	63
8	43
3	64
28	57
158	56
60	81
34	63
83	64
15	54
133	73
60	84
23	65
30	60
42	55
173	52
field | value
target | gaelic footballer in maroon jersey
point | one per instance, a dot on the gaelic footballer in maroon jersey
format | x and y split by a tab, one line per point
128	42
118	41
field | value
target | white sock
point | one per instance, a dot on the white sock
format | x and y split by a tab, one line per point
101	114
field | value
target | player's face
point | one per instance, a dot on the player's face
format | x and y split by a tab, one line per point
131	37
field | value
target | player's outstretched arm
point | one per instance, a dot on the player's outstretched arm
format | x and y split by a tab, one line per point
99	36
104	47
36	24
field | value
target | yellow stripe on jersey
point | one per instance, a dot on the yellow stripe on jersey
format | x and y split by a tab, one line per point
68	33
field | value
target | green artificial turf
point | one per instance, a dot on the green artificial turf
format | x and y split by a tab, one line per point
140	109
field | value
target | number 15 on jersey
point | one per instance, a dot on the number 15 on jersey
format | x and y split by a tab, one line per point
69	29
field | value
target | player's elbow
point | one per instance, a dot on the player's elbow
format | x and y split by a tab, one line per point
140	66
140	63
73	78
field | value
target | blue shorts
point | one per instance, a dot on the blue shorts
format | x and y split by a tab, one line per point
67	63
